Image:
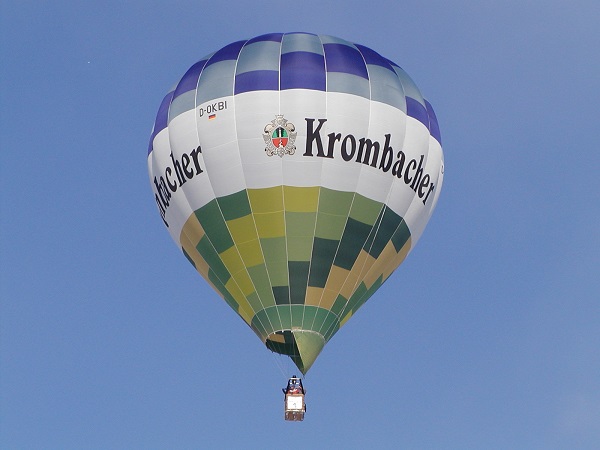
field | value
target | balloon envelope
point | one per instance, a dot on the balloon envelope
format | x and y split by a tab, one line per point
296	172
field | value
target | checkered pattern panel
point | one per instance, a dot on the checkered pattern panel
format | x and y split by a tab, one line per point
288	257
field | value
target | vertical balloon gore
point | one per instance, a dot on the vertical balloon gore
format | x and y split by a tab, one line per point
296	172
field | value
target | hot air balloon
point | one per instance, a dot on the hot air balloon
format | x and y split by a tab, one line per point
295	172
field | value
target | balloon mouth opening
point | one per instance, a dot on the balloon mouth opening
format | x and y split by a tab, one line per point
301	346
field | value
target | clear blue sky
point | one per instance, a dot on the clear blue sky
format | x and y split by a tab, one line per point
488	336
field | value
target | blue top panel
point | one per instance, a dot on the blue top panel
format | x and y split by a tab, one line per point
257	80
434	128
417	111
345	59
228	52
161	118
303	70
372	57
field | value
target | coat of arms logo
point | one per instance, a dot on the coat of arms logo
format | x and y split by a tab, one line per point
280	135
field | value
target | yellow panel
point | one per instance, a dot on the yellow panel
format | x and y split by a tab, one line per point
244	282
232	260
251	253
387	256
242	229
360	267
193	230
329	298
350	285
301	199
313	295
266	200
336	278
234	290
270	225
246	314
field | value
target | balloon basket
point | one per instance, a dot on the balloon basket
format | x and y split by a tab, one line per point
294	407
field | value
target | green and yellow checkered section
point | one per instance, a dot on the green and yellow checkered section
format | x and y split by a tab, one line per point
295	262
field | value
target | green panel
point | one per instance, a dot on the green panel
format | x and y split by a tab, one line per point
335	202
309	346
322	259
387	228
320	318
401	235
274	319
266	200
261	322
331	322
299	248
254	302
330	226
298	281
235	205
282	295
300	223
278	273
297	315
275	254
365	210
274	249
214	226
354	237
213	260
361	291
361	301
309	316
284	314
260	279
326	323
338	305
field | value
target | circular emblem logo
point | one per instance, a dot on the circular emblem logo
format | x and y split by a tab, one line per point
279	136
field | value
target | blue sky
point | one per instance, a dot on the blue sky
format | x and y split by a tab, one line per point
487	336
